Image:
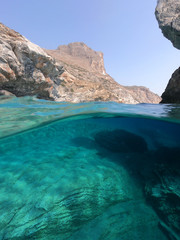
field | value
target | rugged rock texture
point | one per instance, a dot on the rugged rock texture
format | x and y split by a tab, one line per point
26	69
86	77
172	91
142	94
163	190
80	54
168	16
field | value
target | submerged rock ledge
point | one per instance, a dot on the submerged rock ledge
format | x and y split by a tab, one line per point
55	187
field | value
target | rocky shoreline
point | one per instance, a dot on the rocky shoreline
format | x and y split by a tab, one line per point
73	73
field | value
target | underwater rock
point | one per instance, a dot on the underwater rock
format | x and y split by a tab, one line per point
164	195
55	185
49	201
163	190
123	222
121	141
49	192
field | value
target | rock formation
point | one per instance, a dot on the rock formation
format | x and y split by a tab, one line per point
80	76
53	189
172	91
142	94
163	190
168	16
79	54
86	69
25	69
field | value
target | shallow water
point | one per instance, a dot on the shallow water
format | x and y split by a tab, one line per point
89	171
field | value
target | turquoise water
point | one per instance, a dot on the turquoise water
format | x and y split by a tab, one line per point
100	171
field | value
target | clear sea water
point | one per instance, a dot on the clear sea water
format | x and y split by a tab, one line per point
95	171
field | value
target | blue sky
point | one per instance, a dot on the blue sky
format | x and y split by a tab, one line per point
135	51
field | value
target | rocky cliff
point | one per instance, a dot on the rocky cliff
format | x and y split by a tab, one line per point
25	69
168	16
172	91
85	67
77	74
80	54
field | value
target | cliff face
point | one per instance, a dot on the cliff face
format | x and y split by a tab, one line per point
77	74
80	54
142	94
168	16
89	80
172	91
25	69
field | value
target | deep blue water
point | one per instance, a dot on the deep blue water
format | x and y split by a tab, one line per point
89	171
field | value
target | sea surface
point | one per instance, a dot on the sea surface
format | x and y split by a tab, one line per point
93	171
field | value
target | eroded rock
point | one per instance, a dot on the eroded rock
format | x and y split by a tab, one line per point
168	16
164	195
25	69
80	76
87	79
172	91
